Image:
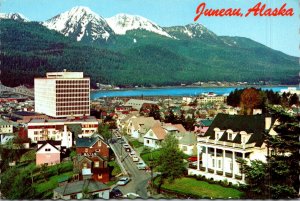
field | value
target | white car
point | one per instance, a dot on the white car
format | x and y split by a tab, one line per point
141	166
131	195
132	153
135	159
123	181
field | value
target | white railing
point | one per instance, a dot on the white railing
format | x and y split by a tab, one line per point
227	144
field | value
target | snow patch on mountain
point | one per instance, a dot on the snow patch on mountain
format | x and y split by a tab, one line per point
80	21
121	23
14	16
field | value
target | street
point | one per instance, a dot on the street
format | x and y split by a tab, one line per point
139	178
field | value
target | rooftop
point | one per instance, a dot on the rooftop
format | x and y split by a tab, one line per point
78	186
254	124
66	120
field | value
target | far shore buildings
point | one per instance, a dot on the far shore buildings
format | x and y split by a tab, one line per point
229	138
62	94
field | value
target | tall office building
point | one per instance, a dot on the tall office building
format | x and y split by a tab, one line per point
62	94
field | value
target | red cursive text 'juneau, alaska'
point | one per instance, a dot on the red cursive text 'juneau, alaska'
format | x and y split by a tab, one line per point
257	10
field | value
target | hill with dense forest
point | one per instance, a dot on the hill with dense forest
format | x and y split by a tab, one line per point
142	56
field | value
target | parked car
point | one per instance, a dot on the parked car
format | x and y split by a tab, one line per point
122	141
132	153
115	193
123	181
141	165
127	149
132	196
126	146
119	136
135	159
192	159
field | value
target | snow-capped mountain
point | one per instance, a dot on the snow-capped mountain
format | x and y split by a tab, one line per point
121	23
80	23
13	16
194	30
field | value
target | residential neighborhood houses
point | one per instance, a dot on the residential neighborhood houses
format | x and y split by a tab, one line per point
83	147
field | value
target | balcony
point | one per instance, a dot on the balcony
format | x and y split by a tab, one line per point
225	144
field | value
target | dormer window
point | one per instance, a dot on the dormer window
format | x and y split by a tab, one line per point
243	140
229	136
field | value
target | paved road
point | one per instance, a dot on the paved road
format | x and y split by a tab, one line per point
139	178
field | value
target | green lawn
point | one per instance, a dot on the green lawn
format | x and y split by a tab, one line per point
201	189
150	155
52	183
136	143
28	156
115	165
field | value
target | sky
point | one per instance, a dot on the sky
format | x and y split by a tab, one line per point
280	33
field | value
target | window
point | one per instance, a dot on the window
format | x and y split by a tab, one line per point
96	164
84	165
231	165
86	150
213	162
48	149
219	164
36	132
184	148
147	142
229	136
243	140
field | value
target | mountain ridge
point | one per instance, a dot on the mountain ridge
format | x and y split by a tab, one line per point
139	57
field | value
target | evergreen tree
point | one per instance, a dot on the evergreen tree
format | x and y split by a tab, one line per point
279	177
170	162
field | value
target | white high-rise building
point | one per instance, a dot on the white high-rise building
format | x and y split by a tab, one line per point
62	94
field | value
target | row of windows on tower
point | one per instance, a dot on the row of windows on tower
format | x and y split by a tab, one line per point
63	82
74	90
71	99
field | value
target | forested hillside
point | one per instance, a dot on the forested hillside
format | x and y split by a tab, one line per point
29	50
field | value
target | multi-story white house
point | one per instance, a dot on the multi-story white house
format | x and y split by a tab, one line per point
138	127
154	137
229	138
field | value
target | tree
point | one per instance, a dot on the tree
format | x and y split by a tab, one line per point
170	118
170	162
250	99
294	100
16	184
103	130
154	112
279	177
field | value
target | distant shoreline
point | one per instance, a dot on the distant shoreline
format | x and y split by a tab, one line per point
179	91
189	86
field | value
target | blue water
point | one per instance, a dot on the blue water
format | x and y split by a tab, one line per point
180	91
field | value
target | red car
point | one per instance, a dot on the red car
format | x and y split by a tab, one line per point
192	159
